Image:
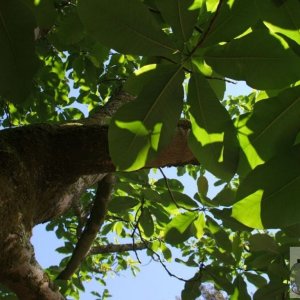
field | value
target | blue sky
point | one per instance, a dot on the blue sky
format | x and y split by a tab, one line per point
152	283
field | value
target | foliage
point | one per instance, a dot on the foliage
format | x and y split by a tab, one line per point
175	57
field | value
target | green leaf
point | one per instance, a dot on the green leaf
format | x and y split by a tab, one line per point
45	12
272	291
256	279
70	29
219	276
227	220
180	15
202	184
213	140
182	200
240	289
140	129
232	20
269	195
263	242
126	26
220	235
226	197
199	225
18	61
253	58
263	135
178	230
259	260
121	204
192	287
284	18
146	222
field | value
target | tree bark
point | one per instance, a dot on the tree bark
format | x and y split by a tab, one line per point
44	168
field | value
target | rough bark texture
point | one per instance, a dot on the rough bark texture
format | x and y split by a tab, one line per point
44	168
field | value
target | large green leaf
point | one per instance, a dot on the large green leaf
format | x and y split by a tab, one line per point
271	291
121	204
271	128
213	139
192	287
180	15
125	25
269	195
259	58
256	279
45	12
18	62
263	242
179	230
146	222
140	129
233	19
282	18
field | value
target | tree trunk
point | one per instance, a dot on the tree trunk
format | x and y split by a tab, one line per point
44	168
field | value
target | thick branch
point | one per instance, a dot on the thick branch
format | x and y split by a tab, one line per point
93	226
114	248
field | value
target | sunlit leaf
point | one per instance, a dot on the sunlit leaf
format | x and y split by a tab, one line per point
199	225
213	139
140	129
263	135
246	59
284	18
178	230
268	197
232	19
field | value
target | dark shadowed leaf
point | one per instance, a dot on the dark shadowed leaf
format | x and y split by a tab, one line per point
192	287
240	289
256	279
146	222
18	61
125	25
121	204
180	15
271	291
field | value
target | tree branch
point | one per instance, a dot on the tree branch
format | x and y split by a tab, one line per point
93	226
114	248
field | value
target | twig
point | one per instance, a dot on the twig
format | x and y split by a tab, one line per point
93	226
172	196
222	79
205	34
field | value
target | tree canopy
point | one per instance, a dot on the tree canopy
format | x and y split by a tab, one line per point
152	75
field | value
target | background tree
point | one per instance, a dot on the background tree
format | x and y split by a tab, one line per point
152	74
